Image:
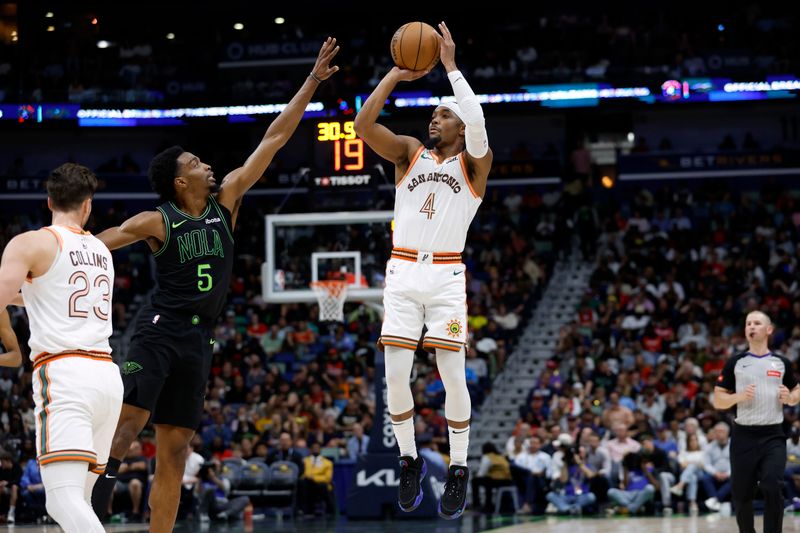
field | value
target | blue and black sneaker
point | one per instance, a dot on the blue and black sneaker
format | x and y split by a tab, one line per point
412	472
454	499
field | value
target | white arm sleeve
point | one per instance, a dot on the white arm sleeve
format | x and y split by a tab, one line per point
476	139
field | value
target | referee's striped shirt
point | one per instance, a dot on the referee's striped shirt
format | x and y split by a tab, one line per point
766	372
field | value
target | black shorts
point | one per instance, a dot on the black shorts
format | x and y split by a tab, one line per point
167	367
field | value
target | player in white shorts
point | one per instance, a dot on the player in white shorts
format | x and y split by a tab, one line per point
67	276
439	188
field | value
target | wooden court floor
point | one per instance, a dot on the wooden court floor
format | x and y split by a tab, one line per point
468	524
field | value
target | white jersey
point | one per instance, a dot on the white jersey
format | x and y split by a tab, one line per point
69	307
435	204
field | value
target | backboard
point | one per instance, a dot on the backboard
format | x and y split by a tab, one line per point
306	247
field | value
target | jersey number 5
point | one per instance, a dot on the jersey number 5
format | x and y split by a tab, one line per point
205	281
427	207
100	281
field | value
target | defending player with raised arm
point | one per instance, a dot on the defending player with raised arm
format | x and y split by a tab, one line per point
168	363
440	186
13	355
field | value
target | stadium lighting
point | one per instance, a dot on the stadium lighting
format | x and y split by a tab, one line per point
238	26
170	36
607	182
103	44
49	15
631	136
280	20
51	28
94	21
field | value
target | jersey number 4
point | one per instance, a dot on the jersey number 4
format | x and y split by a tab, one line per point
427	207
80	278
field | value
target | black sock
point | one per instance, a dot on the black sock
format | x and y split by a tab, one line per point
103	488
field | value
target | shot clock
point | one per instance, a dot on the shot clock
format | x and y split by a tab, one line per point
342	160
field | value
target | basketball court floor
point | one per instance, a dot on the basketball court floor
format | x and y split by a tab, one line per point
468	524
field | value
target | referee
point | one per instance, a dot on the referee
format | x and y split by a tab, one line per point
758	383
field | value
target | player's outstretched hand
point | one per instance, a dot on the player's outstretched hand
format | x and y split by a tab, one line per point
404	74
447	48
322	68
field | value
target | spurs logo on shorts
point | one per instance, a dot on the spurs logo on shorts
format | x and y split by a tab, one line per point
454	328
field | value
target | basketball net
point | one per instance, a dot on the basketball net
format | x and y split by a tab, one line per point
331	294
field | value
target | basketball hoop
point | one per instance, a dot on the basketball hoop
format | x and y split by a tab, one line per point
331	294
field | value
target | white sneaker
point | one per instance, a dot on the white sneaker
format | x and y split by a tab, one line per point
713	504
677	490
551	509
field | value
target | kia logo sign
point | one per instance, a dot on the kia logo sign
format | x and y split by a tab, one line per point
382	478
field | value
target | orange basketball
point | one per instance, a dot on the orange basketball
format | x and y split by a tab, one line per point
415	46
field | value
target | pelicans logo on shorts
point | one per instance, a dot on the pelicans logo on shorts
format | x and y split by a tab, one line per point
454	328
131	367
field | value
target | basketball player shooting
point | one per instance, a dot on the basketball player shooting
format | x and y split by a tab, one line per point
190	234
439	188
67	277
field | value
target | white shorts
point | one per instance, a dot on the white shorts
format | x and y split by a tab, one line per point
418	293
78	400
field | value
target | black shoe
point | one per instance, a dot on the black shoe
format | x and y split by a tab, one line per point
454	499
412	472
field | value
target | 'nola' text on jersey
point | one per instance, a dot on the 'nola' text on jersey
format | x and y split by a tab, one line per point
436	177
196	244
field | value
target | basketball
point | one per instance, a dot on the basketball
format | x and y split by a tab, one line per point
415	46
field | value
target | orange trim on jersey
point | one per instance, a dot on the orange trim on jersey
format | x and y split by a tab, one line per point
398	344
98	471
462	160
411	165
436	159
54	232
439	258
437	344
68	455
49	357
74	230
43	439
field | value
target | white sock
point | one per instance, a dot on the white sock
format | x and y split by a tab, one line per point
404	433
459	442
